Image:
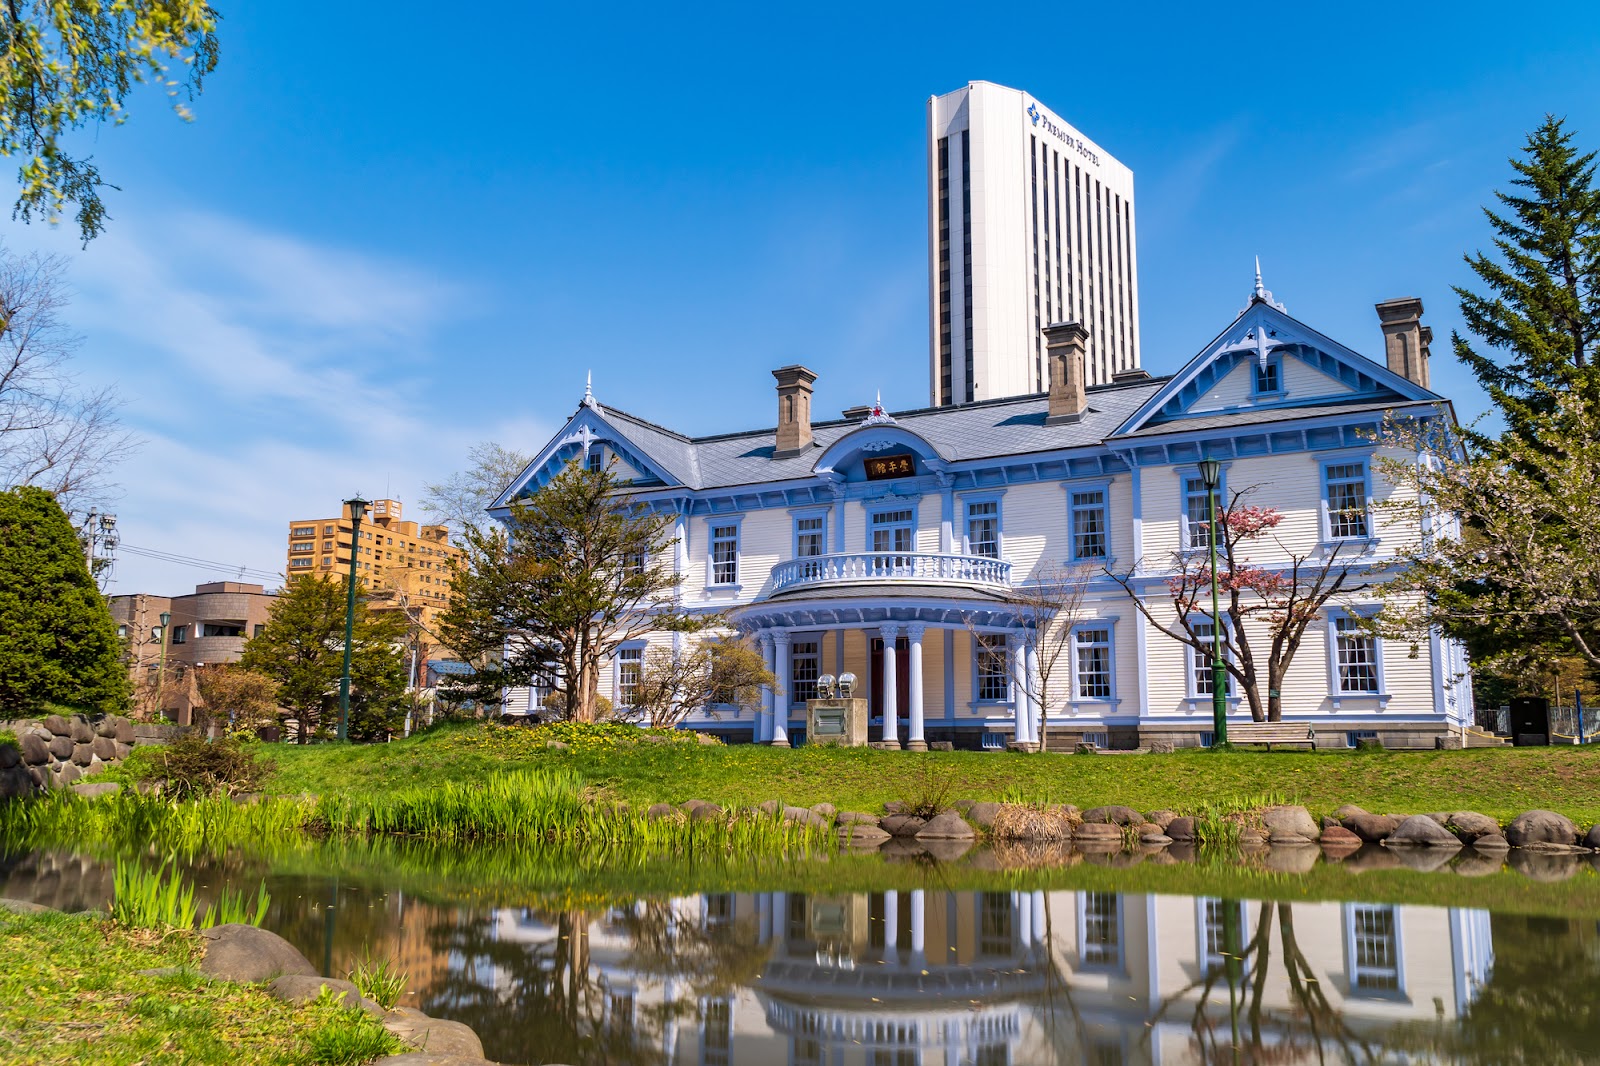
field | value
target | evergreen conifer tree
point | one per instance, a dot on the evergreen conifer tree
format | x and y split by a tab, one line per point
58	644
1539	318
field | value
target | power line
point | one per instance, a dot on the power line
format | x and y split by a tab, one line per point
194	563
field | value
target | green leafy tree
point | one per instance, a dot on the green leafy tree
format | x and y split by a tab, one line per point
72	63
1538	320
1510	557
578	570
58	643
302	649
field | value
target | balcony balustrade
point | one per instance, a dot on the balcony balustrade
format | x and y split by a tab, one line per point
915	568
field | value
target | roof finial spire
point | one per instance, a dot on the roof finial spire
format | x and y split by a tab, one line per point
1262	294
1259	290
588	389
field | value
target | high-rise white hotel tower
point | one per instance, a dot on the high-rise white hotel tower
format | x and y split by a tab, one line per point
1029	223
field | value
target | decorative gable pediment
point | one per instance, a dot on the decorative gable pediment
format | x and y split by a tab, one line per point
1265	359
585	433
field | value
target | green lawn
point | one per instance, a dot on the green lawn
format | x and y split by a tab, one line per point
1500	782
70	992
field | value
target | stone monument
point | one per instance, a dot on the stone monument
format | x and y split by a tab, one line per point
835	717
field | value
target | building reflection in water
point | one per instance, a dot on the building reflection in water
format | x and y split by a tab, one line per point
932	978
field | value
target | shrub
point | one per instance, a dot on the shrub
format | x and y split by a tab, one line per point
190	767
931	796
379	981
349	1037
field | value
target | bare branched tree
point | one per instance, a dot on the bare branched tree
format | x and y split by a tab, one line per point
672	684
54	433
1052	602
461	500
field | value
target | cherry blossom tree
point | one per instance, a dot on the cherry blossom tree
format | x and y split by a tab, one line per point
1267	608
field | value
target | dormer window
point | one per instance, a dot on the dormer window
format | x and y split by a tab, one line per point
1268	378
596	460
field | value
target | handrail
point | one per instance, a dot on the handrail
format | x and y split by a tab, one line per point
925	567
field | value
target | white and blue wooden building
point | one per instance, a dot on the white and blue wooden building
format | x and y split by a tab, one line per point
888	545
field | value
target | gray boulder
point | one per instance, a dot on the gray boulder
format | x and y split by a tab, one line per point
1470	825
1543	864
1113	815
1288	823
1495	842
80	730
58	725
1371	827
124	732
35	749
946	826
104	748
1532	829
1592	840
804	816
106	727
67	776
238	952
857	818
705	812
861	835
1180	829
122	750
91	790
436	1036
983	814
1100	836
1348	810
22	906
61	747
658	811
300	988
15	782
82	754
1163	818
826	810
422	1058
772	808
1423	832
902	825
10	755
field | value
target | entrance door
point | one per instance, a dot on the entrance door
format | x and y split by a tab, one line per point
902	668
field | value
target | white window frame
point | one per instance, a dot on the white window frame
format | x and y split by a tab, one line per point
1073	490
983	499
1207	958
1101	965
1325	505
994	645
1186	532
631	654
1076	696
736	522
1336	691
1194	658
1353	967
796	657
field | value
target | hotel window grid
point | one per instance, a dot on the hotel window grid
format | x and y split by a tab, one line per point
1102	929
1358	655
724	555
630	662
1197	511
983	528
1088	524
1347	500
1374	950
805	666
966	251
945	369
994	681
299	562
1092	647
303	531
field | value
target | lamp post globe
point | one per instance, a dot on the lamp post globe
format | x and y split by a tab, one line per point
358	510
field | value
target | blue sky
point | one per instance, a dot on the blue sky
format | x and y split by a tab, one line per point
387	235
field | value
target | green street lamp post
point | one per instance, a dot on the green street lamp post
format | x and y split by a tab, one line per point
1211	475
161	670
358	511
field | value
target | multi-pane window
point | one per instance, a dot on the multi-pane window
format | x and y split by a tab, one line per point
1267	377
1092	647
634	563
994	924
805	666
724	555
983	528
1102	929
1374	949
1347	500
716	1045
809	534
595	460
993	682
630	661
1197	510
1222	931
892	531
1089	524
1200	661
1357	650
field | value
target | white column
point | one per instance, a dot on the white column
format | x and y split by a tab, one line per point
763	726
891	686
764	918
780	718
1036	711
1038	917
915	741
1016	660
919	959
1022	907
891	926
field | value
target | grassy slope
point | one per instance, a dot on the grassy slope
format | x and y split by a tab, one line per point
70	993
1498	782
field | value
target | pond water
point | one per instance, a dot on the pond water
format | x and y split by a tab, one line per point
700	967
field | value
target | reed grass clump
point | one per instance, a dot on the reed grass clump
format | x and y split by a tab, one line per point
158	899
380	981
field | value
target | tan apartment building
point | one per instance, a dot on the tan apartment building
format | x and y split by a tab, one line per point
207	626
404	566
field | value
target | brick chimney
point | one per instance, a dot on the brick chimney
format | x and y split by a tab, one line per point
1405	338
794	410
1064	345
